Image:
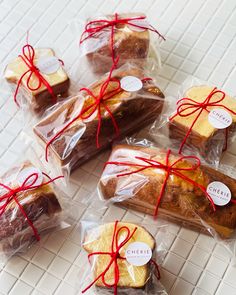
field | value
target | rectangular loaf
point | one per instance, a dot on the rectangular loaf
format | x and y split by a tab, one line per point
181	201
131	110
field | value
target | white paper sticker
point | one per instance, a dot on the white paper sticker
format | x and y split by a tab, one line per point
219	118
219	192
138	22
138	253
48	64
131	83
23	174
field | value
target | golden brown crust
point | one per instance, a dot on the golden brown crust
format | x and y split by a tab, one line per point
129	114
181	199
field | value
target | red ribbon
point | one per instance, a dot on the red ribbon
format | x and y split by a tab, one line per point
169	169
187	107
99	101
114	256
96	26
28	55
28	184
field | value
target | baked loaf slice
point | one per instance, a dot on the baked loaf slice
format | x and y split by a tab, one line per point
131	111
181	201
203	134
41	98
129	43
40	205
100	239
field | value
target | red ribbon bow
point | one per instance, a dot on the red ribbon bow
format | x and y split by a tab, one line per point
114	256
28	184
99	101
187	107
169	169
94	27
28	55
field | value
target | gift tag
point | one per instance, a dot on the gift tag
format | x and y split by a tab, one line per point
138	22
219	192
219	118
23	174
48	64
138	253
131	83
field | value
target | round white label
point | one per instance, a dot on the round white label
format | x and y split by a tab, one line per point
138	22
138	253
48	64
131	83
219	118
23	174
219	192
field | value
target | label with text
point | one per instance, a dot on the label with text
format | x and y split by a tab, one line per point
219	118
219	192
138	253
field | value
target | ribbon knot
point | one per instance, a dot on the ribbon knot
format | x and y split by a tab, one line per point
28	56
188	106
11	195
173	169
96	26
99	101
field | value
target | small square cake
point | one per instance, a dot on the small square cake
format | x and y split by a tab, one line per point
50	68
203	133
99	239
129	43
40	205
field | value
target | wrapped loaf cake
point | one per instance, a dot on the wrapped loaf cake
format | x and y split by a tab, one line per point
34	89
182	200
99	240
129	42
128	107
206	127
38	206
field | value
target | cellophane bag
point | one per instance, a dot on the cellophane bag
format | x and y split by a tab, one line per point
119	103
36	78
31	205
105	37
121	257
158	181
201	118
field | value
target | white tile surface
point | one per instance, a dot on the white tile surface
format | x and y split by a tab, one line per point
200	41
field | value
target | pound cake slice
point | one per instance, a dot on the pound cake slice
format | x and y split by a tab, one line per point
100	239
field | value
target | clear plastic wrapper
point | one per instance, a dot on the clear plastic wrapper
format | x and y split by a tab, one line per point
31	204
120	103
202	119
127	35
37	78
153	180
123	258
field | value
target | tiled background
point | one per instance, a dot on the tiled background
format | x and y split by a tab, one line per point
200	41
